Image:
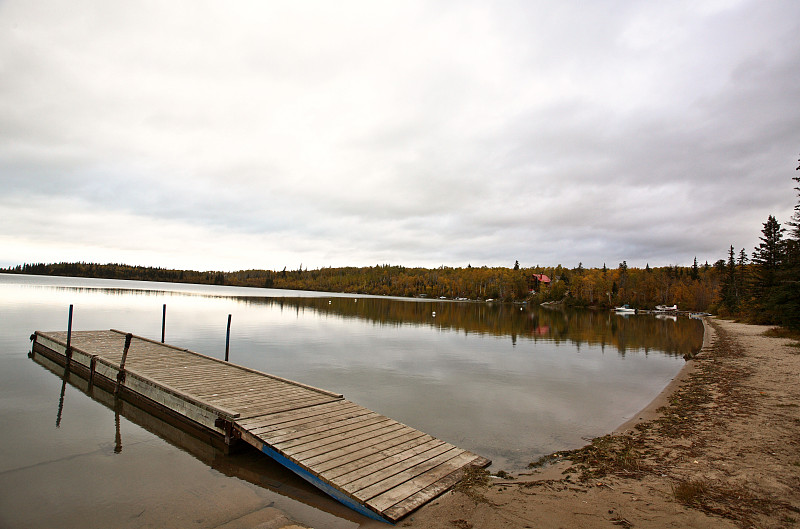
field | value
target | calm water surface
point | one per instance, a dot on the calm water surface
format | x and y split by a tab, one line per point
508	382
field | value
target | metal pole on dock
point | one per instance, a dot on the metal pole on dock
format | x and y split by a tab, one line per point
163	322
228	338
69	328
68	351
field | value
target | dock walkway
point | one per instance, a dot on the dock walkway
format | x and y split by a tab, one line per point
371	463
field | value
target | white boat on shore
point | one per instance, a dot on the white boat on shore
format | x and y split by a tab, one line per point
625	309
665	308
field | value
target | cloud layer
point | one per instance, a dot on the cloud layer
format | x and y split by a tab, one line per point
265	134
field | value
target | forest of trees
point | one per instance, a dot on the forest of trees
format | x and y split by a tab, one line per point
761	287
692	288
766	288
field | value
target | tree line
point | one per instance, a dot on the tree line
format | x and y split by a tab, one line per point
761	287
693	288
765	288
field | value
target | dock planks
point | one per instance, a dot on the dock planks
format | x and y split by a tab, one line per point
375	465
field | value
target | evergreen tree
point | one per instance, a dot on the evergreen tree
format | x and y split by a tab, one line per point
730	292
695	270
741	276
768	258
795	220
743	259
768	255
785	297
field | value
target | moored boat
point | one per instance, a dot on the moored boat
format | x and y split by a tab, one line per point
665	308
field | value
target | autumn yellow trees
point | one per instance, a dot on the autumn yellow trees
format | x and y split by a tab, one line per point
691	288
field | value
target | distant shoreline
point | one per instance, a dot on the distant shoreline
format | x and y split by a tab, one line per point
692	288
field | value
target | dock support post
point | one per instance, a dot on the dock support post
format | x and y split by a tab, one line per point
163	322
121	372
231	434
228	338
92	368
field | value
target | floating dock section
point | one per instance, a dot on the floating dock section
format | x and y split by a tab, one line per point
375	465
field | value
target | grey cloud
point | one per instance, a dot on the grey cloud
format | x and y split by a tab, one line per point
413	134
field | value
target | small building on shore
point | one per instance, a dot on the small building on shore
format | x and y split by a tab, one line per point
538	281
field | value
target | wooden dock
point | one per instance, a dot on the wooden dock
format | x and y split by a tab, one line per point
374	465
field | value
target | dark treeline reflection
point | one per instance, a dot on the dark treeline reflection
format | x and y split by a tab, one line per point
668	334
120	292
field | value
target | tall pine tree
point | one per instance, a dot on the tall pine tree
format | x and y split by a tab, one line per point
768	258
795	220
768	255
742	279
730	291
785	298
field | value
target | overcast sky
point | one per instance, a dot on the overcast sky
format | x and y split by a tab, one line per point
233	135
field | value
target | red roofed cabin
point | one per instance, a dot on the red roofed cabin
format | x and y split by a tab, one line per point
537	280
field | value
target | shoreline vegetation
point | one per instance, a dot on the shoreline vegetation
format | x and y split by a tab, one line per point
695	288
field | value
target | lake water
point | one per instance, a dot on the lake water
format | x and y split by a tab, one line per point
508	382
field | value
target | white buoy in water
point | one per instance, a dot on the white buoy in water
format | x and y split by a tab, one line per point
434	313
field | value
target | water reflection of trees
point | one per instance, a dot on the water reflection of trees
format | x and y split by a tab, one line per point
677	336
593	327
